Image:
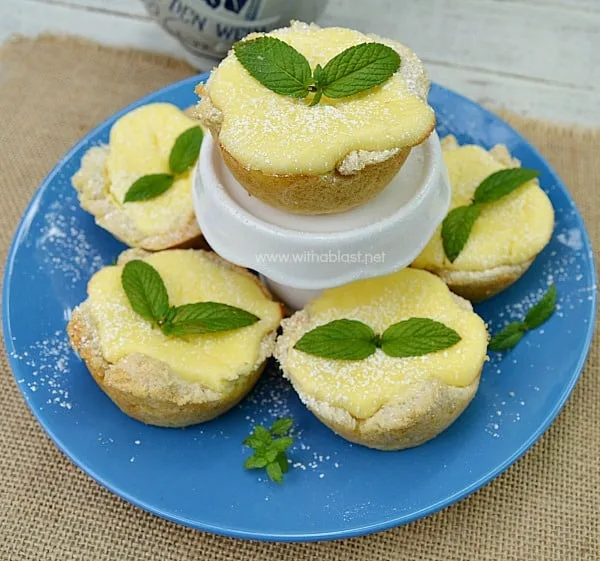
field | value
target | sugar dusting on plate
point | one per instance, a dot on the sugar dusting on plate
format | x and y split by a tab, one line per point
64	246
48	360
560	266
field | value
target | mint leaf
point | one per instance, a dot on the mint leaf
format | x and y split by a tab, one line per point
282	444
262	434
275	472
537	315
542	311
456	229
276	65
283	462
149	187
344	339
255	462
271	454
281	426
319	76
185	150
255	443
416	337
317	97
508	337
145	290
206	317
501	183
357	69
319	79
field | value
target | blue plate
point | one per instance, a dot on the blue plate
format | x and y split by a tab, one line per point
195	476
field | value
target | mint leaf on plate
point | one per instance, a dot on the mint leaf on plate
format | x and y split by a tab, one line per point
536	316
543	310
282	426
270	453
508	337
275	472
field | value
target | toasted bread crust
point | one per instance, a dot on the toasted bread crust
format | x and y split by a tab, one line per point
317	194
89	182
477	286
426	409
147	389
429	408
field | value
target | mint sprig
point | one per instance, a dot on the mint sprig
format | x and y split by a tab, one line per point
458	224
148	297
285	71
346	339
536	316
182	157
270	448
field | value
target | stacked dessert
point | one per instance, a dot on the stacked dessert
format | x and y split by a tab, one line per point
316	124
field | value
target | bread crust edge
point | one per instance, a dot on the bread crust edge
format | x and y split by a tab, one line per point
477	286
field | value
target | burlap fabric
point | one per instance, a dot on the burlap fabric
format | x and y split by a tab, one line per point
546	507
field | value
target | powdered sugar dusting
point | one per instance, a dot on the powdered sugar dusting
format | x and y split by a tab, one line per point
571	238
65	247
48	360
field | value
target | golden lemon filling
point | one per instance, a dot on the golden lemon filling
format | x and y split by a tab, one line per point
140	144
211	359
508	232
283	135
362	387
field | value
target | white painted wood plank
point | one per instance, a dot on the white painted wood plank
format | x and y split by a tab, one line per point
585	5
19	17
551	103
509	38
126	7
520	95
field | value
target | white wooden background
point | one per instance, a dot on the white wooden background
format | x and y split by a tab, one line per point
537	57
